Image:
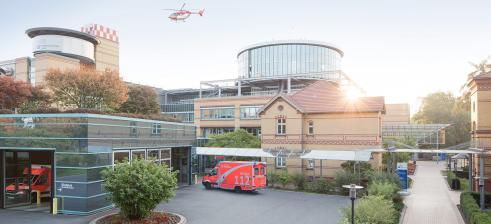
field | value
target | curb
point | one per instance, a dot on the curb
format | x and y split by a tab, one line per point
182	221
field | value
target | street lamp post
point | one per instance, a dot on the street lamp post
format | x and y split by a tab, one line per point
352	194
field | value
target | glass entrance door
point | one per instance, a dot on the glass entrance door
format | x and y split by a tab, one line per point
17	179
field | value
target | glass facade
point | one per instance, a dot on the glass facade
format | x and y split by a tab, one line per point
86	144
284	59
217	113
250	112
216	131
186	117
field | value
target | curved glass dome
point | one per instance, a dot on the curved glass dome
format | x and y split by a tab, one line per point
64	42
288	58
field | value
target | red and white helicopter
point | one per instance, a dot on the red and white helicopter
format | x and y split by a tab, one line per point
182	14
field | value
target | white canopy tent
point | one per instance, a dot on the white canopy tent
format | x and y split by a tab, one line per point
244	152
338	155
359	155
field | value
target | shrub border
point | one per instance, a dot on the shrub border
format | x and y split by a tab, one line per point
471	211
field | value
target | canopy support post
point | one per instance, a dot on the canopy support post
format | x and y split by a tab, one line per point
469	164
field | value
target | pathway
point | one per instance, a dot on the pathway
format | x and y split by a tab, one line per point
431	201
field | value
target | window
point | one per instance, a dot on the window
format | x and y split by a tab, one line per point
249	112
121	156
133	129
473	106
256	171
217	113
153	154
165	157
310	164
281	126
138	154
216	131
311	127
156	129
280	162
253	131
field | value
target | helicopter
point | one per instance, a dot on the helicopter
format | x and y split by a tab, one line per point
182	14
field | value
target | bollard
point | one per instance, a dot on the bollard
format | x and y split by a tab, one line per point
38	197
55	206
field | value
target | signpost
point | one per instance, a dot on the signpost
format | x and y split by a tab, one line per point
402	173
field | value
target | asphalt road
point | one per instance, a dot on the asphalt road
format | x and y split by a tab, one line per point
202	206
216	206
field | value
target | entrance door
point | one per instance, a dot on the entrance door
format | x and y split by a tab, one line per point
183	172
17	179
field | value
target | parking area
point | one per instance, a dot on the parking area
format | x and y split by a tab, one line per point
202	206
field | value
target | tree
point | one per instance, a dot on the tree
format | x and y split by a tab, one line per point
87	88
237	139
13	93
479	68
444	108
137	187
40	98
141	100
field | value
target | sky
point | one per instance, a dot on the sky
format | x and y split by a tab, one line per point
402	50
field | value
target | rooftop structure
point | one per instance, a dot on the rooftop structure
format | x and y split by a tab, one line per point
265	69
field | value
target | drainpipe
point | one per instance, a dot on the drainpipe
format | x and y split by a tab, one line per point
469	164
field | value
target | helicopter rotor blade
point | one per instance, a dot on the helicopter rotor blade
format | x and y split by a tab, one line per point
183	6
171	9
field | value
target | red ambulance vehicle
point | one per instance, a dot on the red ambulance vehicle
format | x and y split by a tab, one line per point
237	175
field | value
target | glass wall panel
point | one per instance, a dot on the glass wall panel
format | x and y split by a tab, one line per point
288	59
217	113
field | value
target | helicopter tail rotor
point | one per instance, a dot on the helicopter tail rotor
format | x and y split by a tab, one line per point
200	12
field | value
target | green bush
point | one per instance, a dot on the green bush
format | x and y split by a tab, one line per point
137	187
386	190
365	168
345	178
284	178
382	177
471	210
323	186
272	178
298	179
372	209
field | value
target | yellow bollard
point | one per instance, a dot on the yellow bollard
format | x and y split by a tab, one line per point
55	206
38	197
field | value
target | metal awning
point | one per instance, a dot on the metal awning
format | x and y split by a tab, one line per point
245	152
362	155
346	155
460	156
470	151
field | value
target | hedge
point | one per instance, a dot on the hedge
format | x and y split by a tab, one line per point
471	210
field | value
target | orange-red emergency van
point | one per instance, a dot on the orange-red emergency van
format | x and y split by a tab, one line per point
237	175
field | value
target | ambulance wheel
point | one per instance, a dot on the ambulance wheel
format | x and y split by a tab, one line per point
207	185
238	190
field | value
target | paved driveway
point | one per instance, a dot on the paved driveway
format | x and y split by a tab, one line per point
202	206
431	201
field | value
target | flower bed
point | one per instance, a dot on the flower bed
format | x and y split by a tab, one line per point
154	218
